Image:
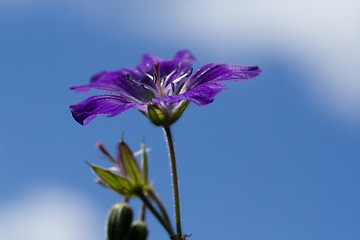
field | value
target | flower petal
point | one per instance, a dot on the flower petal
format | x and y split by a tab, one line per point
106	80
183	59
215	72
100	105
202	95
124	82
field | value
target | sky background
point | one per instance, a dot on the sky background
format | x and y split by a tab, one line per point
276	157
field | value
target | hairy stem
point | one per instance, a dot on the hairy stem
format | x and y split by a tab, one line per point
175	181
149	205
156	198
142	213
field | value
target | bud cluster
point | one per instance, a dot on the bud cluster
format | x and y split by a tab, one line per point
121	227
130	180
126	178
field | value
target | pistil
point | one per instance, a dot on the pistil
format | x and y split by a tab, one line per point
157	78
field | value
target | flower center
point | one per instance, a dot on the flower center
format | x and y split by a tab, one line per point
167	85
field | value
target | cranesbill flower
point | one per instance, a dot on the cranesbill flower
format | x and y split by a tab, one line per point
160	89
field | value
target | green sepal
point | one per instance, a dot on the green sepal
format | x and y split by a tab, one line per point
178	111
119	221
144	164
157	116
130	165
114	181
138	231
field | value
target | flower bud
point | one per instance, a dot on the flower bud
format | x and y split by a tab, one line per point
119	221
138	231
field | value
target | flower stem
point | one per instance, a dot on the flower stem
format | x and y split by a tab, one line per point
156	198
175	180
149	205
142	212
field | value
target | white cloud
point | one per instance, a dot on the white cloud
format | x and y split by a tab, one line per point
48	214
323	35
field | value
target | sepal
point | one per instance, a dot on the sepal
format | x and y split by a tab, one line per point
178	111
126	177
113	181
129	164
144	164
157	115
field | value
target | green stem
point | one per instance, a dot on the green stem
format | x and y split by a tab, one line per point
149	205
142	212
156	198
175	181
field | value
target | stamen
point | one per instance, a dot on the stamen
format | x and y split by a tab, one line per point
137	85
162	79
146	87
154	78
166	80
184	84
149	76
189	72
176	85
128	78
179	79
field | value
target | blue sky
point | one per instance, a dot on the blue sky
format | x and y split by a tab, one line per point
275	157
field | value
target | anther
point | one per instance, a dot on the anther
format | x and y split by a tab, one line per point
162	79
145	87
154	78
128	78
176	69
189	72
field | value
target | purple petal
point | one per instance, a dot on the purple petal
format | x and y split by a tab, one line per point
183	59
100	105
117	82
202	95
106	80
215	72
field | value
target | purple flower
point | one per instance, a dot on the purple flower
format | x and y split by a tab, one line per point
160	89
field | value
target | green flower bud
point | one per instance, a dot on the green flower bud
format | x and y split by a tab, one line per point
138	231
119	221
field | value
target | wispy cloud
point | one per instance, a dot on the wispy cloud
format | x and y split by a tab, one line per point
324	34
48	213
